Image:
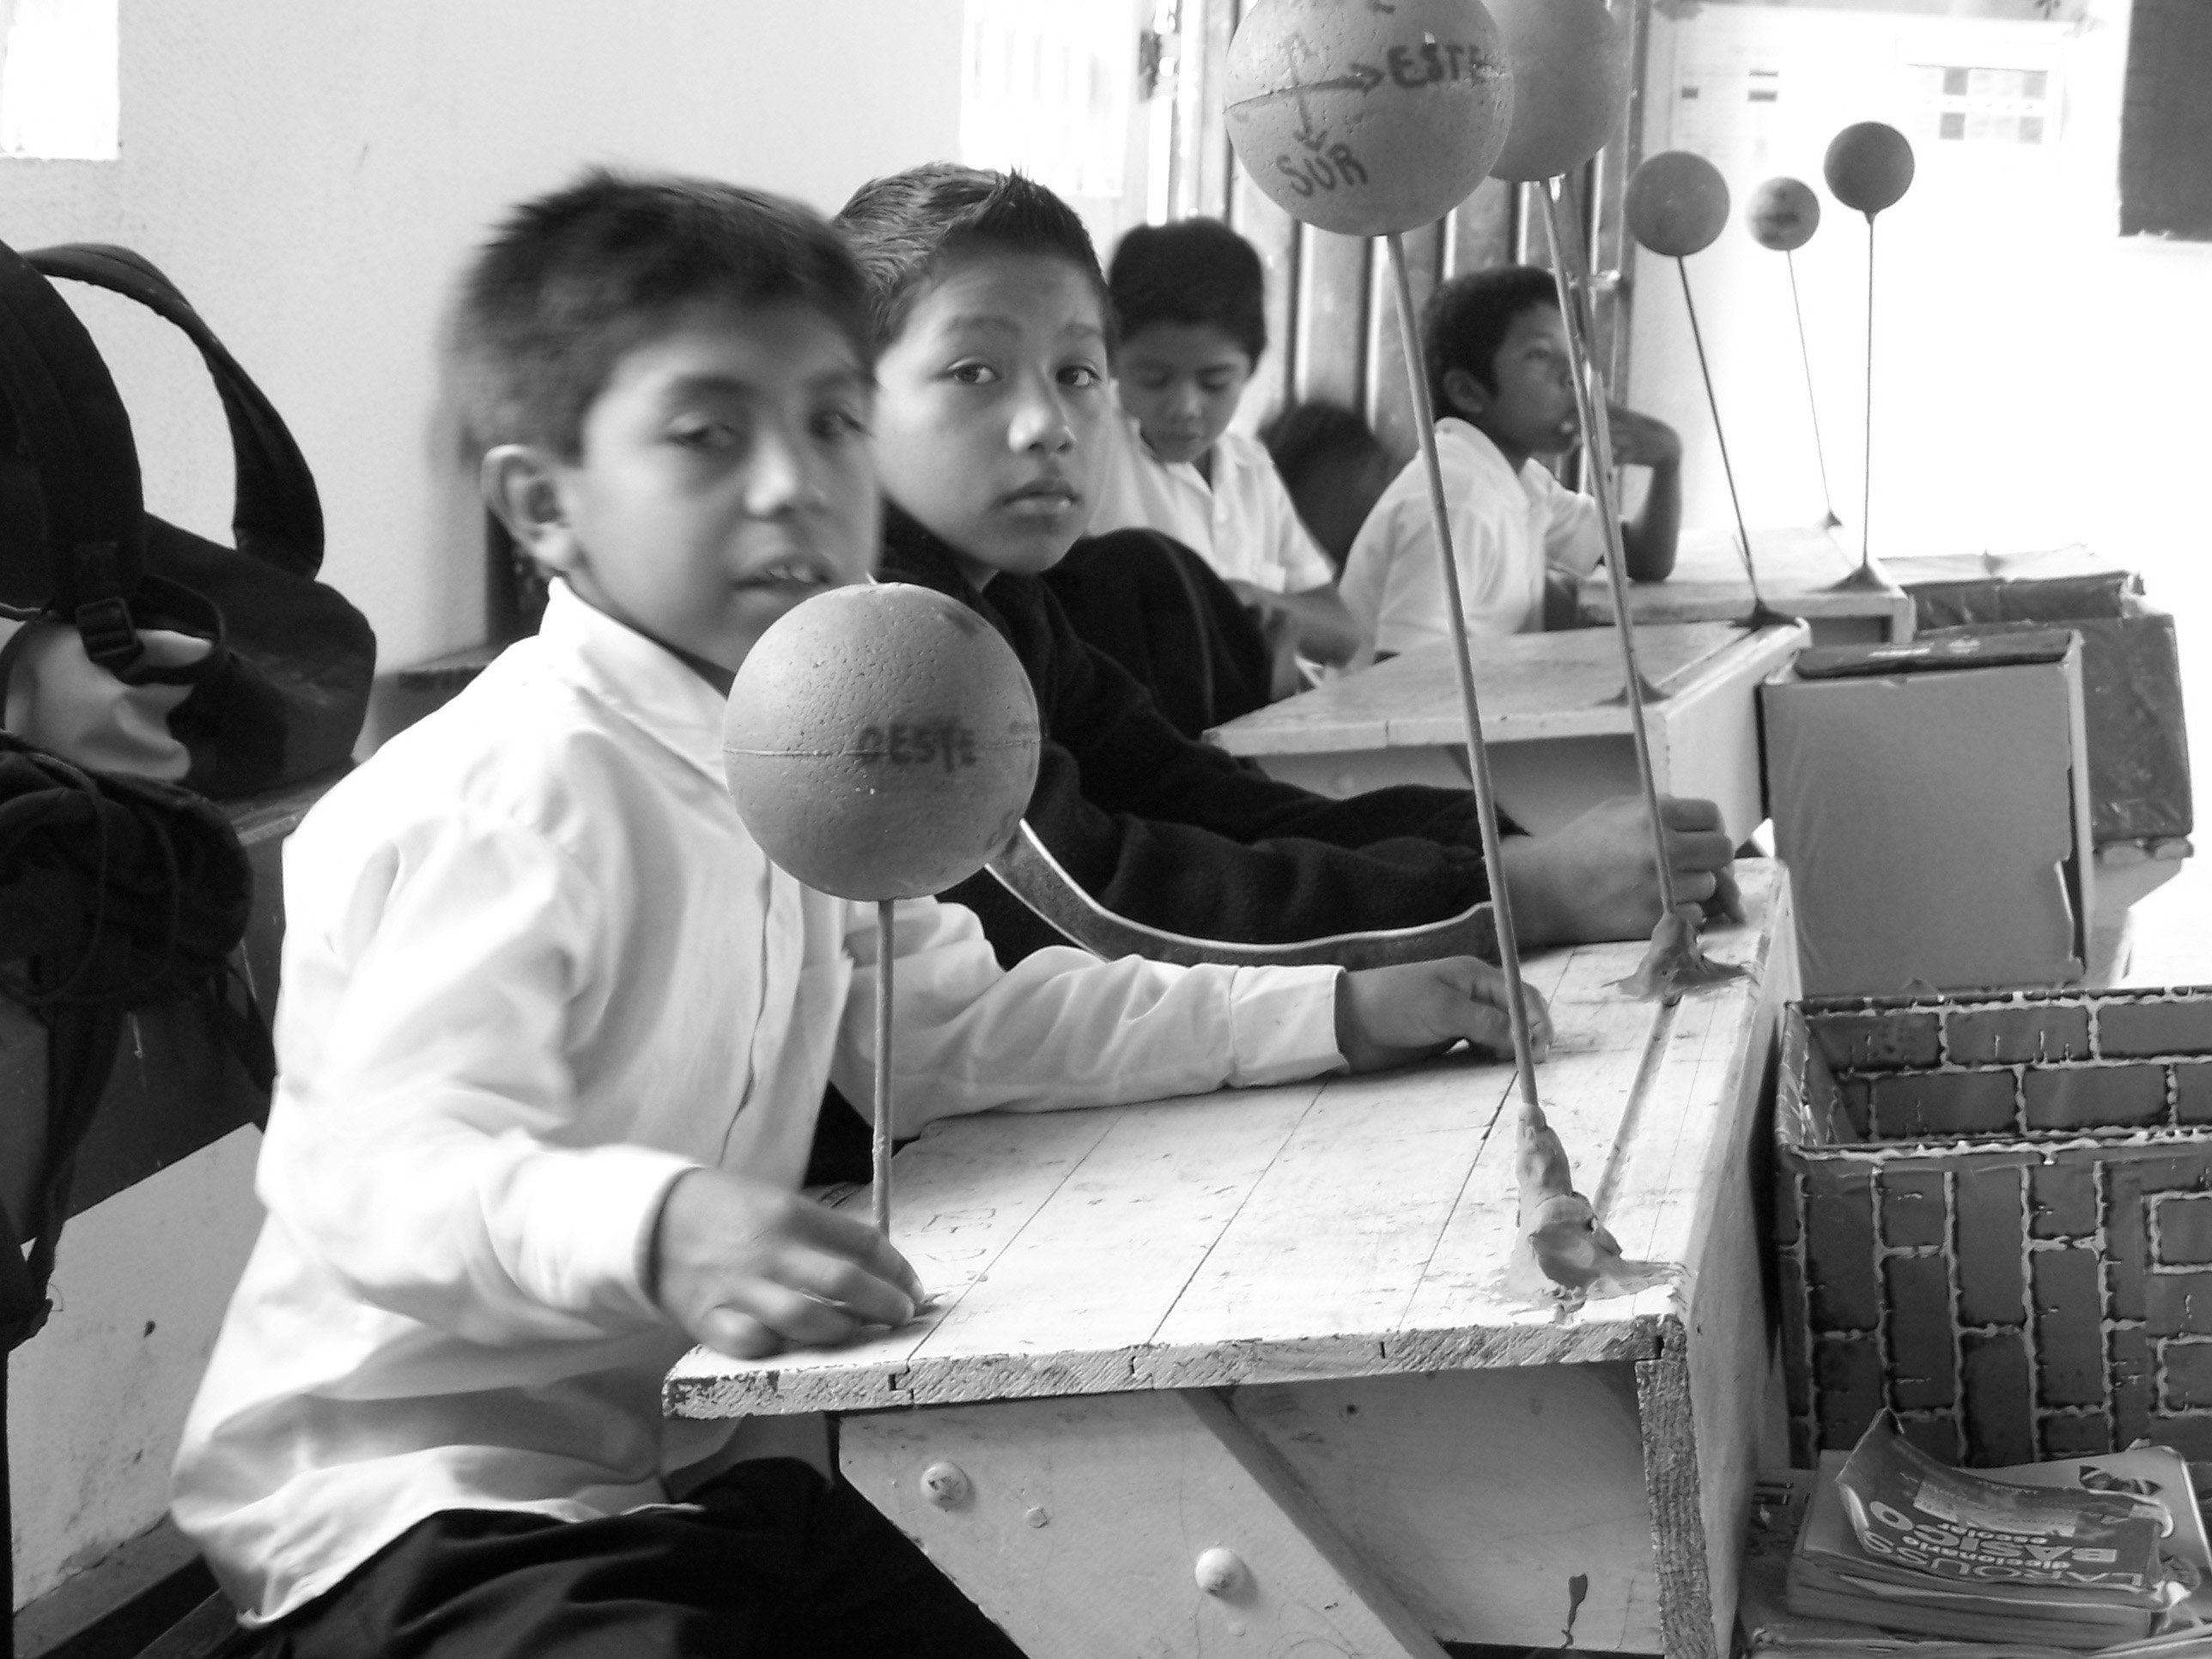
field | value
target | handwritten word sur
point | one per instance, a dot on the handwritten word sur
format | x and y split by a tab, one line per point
1323	170
946	743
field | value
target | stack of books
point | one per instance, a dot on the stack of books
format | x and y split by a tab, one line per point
2086	1552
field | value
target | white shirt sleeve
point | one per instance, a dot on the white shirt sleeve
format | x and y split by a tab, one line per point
1574	535
1294	551
418	1139
1062	1028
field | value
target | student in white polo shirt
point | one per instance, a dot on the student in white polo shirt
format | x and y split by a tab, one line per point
1502	383
1190	300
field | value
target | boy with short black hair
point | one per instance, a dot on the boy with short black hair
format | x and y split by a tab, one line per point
1190	300
1501	381
993	424
554	1032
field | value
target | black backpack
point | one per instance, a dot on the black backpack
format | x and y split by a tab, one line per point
282	695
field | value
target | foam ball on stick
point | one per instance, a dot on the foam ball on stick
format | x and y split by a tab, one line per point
1569	66
1784	214
1869	166
1368	120
881	742
1676	202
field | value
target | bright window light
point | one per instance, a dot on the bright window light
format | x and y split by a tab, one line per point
58	63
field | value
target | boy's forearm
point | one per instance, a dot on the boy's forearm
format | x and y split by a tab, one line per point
1326	631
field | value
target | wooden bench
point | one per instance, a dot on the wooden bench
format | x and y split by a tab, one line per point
1240	1373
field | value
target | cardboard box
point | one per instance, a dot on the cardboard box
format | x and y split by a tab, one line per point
1935	819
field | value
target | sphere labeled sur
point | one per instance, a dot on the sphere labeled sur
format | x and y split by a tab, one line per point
1784	214
1367	119
1570	64
1869	166
1676	202
881	742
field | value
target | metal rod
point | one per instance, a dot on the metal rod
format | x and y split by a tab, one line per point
1866	499
1713	403
1812	403
882	1149
1597	436
1478	751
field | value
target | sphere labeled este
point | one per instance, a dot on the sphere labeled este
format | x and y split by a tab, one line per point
1676	202
1570	65
1366	119
881	742
1869	166
1784	214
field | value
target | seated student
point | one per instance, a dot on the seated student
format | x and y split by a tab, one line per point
1189	299
992	417
554	1031
1502	384
1335	469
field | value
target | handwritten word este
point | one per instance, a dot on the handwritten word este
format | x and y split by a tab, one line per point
947	742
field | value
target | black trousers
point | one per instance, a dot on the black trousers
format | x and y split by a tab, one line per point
776	1563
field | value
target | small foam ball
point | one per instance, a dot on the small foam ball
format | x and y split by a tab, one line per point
1676	202
1784	214
1869	166
1570	66
1368	119
881	743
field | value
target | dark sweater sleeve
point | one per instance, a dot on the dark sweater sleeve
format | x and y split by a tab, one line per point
1177	834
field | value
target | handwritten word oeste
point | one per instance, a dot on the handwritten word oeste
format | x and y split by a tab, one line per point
1433	61
1323	170
922	742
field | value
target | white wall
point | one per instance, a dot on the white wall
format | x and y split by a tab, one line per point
313	175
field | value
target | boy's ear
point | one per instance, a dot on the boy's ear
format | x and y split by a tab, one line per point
1464	393
522	486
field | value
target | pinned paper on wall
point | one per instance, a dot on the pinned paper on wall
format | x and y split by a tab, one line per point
1047	86
58	73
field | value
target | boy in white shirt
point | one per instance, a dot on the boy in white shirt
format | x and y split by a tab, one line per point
1191	301
1502	383
554	1032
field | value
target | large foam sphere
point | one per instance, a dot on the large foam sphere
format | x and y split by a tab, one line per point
1365	118
881	743
1676	202
1784	214
1570	67
1869	166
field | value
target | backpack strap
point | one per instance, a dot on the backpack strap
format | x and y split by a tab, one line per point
277	515
72	421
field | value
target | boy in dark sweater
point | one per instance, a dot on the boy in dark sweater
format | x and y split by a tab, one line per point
992	426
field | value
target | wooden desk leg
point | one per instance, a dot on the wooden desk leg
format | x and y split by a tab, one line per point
1102	1525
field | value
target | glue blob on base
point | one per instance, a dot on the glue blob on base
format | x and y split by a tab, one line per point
1562	1253
881	743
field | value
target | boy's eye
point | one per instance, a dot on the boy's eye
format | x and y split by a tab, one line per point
1217	379
1081	375
706	435
837	424
974	373
1151	379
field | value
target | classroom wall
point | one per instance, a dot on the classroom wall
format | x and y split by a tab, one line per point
313	176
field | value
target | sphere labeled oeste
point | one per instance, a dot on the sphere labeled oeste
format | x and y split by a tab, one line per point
1367	119
1676	202
1869	166
1784	214
1569	68
881	743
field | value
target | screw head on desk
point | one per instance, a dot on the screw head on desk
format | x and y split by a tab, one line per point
945	1484
1220	1572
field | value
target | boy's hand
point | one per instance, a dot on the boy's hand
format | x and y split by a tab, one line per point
1641	440
1594	880
749	1269
1387	1016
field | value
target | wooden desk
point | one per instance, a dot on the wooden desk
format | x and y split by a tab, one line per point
1798	570
1272	1322
1552	713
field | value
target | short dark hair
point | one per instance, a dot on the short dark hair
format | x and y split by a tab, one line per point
1309	435
1195	270
902	229
1468	320
572	280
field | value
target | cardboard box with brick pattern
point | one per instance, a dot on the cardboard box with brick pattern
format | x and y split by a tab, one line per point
1994	1215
